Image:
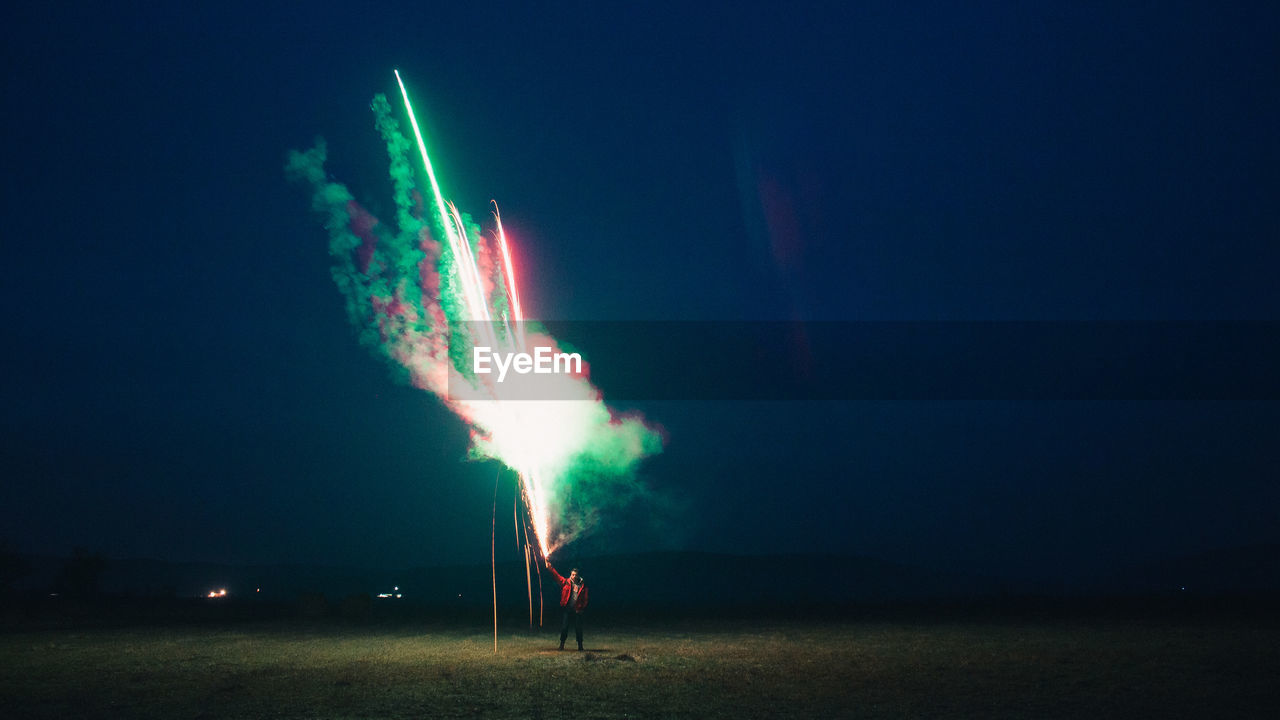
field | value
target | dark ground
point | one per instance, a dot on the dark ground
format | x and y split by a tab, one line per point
1033	662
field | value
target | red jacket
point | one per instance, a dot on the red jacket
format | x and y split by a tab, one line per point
566	591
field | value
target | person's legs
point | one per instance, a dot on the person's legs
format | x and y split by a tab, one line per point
577	628
564	626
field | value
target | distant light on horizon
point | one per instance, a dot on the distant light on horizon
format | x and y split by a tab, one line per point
221	592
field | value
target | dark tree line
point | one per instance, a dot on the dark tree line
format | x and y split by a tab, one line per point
81	575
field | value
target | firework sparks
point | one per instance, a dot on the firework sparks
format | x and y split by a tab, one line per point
425	291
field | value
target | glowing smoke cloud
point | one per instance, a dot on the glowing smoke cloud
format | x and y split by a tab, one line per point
410	287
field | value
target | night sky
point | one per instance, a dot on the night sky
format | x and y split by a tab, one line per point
180	380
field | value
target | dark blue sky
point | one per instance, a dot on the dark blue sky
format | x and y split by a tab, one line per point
180	381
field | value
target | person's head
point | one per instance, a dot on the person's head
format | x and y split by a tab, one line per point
574	577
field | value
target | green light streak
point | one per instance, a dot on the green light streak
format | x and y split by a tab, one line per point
422	148
451	223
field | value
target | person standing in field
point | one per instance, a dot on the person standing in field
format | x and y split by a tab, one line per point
573	601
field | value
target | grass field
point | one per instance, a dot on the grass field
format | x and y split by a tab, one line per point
728	669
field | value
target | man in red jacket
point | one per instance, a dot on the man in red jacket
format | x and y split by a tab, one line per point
573	599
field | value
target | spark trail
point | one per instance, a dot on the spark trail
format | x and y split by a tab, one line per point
425	291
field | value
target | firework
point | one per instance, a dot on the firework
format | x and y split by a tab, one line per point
426	290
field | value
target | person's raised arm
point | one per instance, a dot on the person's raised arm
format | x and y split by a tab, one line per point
557	575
